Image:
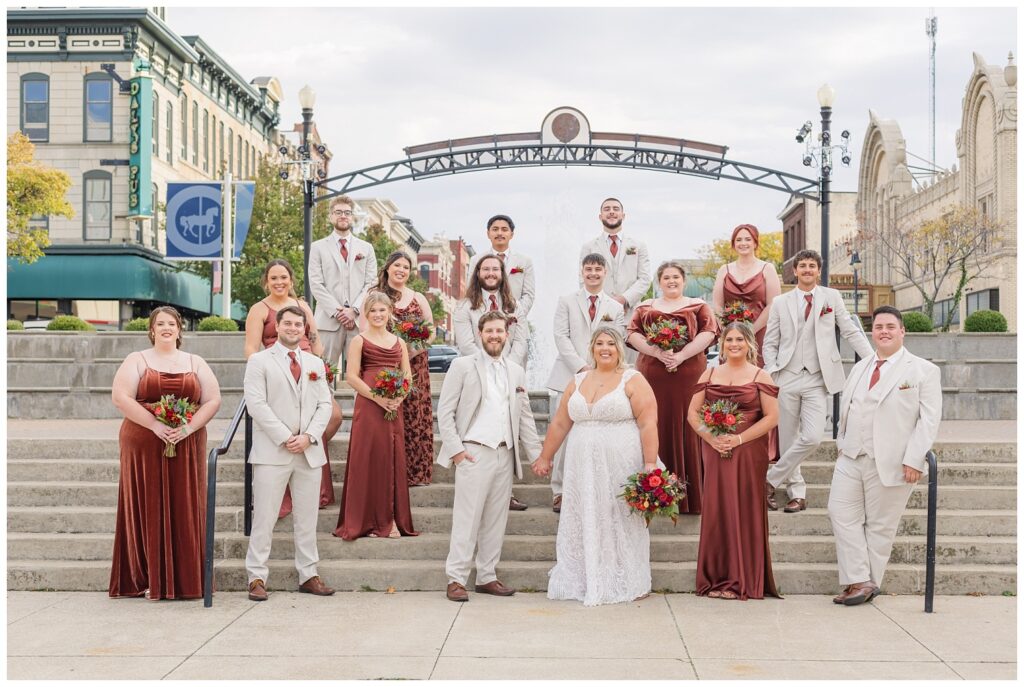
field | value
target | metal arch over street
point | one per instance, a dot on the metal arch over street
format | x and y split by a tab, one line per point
565	140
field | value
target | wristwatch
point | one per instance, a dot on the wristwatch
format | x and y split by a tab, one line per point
312	439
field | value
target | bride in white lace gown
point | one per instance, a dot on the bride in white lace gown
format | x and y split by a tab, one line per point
610	416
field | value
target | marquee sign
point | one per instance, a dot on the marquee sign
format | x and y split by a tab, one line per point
140	149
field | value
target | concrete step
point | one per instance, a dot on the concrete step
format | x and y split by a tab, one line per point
535	521
87	346
412	575
954	346
427	546
970	374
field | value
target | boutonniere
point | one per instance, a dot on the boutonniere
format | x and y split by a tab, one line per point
606	318
520	390
906	385
516	270
360	256
631	250
313	376
510	320
825	311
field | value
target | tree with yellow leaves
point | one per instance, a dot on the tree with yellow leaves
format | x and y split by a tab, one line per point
952	248
719	252
32	189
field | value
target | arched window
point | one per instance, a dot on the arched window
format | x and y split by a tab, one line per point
195	133
231	152
98	107
184	128
97	215
35	106
169	124
156	125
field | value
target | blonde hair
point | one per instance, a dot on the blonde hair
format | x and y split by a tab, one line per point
747	331
620	346
374	297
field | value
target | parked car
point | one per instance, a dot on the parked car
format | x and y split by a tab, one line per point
439	358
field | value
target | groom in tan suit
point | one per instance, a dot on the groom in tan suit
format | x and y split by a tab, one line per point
891	407
342	268
802	356
286	394
486	428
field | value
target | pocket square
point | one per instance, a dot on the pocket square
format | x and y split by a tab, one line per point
906	385
606	318
825	311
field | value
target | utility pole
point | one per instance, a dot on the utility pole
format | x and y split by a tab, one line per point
931	27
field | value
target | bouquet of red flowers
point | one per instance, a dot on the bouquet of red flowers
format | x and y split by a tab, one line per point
173	412
414	331
667	334
654	493
391	383
738	311
720	418
331	371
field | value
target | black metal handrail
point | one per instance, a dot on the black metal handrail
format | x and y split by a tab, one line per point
933	505
211	493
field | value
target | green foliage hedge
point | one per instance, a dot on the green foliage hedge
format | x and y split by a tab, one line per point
917	322
15	326
216	323
985	321
69	323
139	324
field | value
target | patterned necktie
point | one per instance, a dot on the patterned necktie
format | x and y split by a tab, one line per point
876	374
615	245
810	299
593	307
344	251
294	366
494	302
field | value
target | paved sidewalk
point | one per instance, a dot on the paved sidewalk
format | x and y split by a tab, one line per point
421	635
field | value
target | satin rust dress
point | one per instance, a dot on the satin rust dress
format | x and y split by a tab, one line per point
733	554
326	481
160	532
417	413
375	492
678	445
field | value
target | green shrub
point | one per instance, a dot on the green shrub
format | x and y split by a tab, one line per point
69	323
15	326
139	324
985	321
917	322
216	323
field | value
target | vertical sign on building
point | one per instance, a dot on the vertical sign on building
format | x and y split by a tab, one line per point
140	146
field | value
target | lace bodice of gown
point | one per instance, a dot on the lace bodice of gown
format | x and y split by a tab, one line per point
613	407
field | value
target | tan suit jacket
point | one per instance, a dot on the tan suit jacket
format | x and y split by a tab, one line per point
573	330
280	408
906	421
461	396
521	279
467	333
629	273
786	320
335	283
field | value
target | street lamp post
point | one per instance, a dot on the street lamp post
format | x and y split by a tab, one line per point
854	262
307	98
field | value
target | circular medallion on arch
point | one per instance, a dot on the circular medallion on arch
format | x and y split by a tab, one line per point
565	125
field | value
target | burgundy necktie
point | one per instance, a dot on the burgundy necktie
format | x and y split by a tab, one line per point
494	302
295	367
502	256
593	307
615	245
810	299
876	374
344	251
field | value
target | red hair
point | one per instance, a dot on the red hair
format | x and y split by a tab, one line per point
754	234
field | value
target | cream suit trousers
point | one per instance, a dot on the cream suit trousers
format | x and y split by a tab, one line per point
336	345
865	515
803	404
482	491
558	462
268	483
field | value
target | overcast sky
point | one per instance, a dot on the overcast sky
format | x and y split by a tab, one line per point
746	78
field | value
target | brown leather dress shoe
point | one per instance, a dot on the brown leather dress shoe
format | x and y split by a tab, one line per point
257	590
556	504
795	506
769	496
861	594
496	588
315	586
842	595
516	504
456	592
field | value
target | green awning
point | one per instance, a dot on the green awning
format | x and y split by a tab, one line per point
111	273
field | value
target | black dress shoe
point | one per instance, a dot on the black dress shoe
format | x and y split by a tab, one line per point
516	504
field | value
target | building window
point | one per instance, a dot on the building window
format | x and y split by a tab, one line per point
99	107
231	152
156	125
39	222
213	146
239	158
220	147
983	300
154	222
98	215
35	106
184	128
246	158
942	309
195	133
169	122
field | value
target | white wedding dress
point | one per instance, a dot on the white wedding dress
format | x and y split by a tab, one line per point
603	549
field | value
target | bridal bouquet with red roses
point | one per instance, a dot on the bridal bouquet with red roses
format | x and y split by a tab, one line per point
738	311
391	383
331	371
721	417
667	334
654	494
414	331
173	412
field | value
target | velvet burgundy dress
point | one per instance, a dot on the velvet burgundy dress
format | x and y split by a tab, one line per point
417	413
